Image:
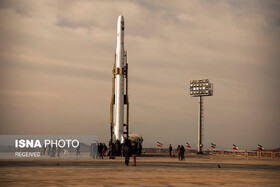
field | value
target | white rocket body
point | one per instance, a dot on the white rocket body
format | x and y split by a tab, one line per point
119	83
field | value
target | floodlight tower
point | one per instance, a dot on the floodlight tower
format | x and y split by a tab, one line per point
200	88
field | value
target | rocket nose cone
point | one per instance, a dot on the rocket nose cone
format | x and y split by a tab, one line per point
120	24
120	18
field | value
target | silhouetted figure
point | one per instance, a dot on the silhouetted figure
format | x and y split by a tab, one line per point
111	149
78	151
44	150
53	151
94	150
122	150
100	148
178	152
127	151
170	151
182	152
118	148
104	149
58	151
134	152
48	150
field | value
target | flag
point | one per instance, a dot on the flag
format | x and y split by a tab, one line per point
260	147
213	145
188	145
235	147
159	144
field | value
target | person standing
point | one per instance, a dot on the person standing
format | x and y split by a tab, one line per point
78	151
178	152
134	152
53	151
104	149
93	150
127	151
58	151
111	149
49	150
100	148
170	151
182	151
118	148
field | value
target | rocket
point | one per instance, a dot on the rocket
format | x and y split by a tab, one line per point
119	114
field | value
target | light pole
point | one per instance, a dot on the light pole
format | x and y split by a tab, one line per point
200	88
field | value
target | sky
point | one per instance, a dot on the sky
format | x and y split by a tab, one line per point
56	60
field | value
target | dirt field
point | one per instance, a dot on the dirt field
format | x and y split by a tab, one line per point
150	171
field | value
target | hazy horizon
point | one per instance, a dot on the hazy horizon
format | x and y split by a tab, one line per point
56	59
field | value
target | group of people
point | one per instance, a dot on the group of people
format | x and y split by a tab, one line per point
115	149
180	152
126	150
54	151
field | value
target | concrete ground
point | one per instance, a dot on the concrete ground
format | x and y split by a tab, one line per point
150	171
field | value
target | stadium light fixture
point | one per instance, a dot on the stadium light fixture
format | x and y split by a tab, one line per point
200	88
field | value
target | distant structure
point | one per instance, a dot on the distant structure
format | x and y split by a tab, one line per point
200	88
